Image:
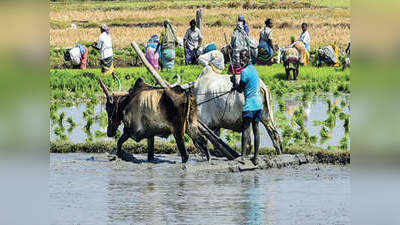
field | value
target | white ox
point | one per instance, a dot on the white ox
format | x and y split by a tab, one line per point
226	111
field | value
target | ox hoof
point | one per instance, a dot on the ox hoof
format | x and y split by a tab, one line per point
254	161
185	159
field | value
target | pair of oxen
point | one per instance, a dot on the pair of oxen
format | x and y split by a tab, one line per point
147	111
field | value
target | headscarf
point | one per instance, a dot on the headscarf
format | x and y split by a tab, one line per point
241	18
168	37
153	39
169	28
105	28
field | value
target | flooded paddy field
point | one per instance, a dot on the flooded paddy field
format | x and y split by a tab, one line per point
87	189
91	123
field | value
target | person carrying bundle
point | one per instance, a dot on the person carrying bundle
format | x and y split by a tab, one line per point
239	41
78	55
167	44
265	46
104	45
151	54
213	58
192	42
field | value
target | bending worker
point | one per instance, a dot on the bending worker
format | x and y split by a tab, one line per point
78	55
213	58
252	108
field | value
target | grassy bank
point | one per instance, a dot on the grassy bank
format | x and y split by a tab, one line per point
69	85
320	155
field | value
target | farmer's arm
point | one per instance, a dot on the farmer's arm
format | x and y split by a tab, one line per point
84	59
200	38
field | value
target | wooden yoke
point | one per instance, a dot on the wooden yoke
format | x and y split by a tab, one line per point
151	70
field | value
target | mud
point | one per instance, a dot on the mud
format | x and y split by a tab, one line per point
198	164
87	189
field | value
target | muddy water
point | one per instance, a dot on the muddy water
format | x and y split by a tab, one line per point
315	109
87	190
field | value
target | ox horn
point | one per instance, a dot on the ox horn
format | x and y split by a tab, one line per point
105	89
177	82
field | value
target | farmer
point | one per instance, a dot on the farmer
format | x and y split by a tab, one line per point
239	41
78	55
213	58
252	108
243	20
265	46
106	52
167	45
192	41
329	54
151	54
305	36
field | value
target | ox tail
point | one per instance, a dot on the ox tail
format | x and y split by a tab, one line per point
266	94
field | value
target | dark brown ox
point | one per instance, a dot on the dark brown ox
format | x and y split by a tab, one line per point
148	111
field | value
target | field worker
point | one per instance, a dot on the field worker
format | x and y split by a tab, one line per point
291	62
167	45
329	54
106	52
78	55
213	58
242	19
239	41
265	46
151	54
192	41
252	108
305	36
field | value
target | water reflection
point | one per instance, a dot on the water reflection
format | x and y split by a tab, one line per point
124	193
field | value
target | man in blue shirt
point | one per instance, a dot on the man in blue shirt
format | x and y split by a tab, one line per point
252	108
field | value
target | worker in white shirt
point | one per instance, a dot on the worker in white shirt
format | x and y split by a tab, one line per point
104	45
305	36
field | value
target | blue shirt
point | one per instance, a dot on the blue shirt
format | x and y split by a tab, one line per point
253	100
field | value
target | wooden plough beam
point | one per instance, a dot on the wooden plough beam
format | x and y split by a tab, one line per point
216	141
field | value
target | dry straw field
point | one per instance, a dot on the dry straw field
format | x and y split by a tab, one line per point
327	24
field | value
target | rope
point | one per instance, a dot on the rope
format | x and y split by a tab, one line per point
213	98
119	82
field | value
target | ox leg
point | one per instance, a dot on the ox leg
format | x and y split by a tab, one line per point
150	149
272	132
287	74
121	153
181	146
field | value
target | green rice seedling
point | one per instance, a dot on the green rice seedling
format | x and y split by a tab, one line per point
343	103
313	139
325	134
344	143
71	122
117	135
87	127
99	133
281	105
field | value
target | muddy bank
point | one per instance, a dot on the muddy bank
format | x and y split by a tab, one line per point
313	154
